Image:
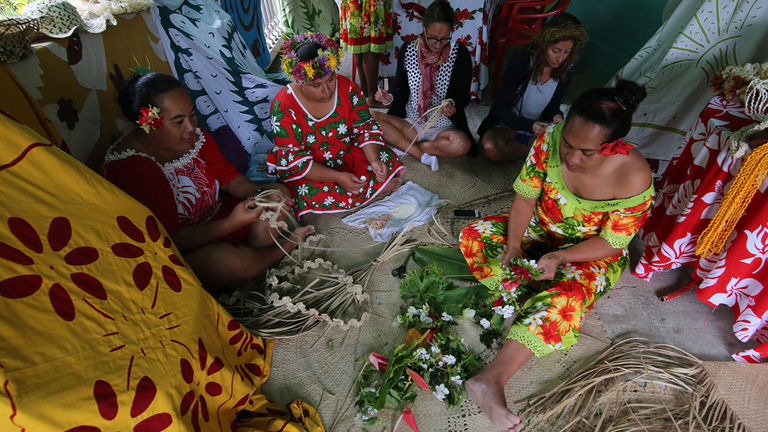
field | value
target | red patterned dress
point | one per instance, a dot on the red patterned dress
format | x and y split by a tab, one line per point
335	141
692	188
550	320
181	192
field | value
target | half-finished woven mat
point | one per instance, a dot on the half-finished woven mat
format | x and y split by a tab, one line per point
634	386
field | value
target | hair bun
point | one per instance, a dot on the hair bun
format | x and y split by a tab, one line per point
629	94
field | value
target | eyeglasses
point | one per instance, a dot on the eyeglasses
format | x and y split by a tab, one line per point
434	40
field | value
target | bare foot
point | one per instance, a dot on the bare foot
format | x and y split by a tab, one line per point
490	397
392	186
303	232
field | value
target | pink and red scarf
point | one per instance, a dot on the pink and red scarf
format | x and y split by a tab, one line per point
429	66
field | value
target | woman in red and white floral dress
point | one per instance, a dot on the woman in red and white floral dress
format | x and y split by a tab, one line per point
328	148
177	171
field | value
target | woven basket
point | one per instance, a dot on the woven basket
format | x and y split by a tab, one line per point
14	44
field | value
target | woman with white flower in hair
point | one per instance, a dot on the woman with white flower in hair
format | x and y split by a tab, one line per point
328	148
176	169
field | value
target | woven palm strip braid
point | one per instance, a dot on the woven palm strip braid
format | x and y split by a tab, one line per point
432	115
635	387
734	204
305	291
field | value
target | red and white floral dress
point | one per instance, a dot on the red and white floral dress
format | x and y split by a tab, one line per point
181	192
550	320
335	141
692	188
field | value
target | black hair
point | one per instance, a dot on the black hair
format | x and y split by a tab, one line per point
440	11
140	91
308	51
540	43
610	107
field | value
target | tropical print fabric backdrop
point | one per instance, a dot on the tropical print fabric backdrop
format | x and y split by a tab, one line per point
698	39
472	17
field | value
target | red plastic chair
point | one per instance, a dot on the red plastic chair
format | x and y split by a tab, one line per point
516	23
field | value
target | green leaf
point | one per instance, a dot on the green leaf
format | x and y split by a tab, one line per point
459	298
450	261
497	322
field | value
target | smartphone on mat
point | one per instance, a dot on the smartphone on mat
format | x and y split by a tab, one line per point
466	213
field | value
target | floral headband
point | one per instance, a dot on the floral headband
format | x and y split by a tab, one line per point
326	62
550	35
150	118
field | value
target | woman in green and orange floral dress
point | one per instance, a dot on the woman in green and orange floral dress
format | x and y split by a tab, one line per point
367	28
581	196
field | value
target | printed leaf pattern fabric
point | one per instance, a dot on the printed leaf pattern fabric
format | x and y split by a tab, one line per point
696	180
677	62
103	313
551	319
226	84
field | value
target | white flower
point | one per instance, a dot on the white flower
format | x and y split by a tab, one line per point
383	156
412	311
457	379
507	311
440	391
326	188
327	155
421	352
468	313
342	129
302	190
328	201
449	359
485	323
435	349
369	389
355	100
283	162
446	317
311	139
424	314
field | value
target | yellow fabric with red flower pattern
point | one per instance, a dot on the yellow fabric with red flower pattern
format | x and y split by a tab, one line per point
105	327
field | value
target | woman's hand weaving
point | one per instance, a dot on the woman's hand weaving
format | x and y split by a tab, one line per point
350	182
549	263
379	170
449	109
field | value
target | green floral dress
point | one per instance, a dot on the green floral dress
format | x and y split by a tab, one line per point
366	26
550	320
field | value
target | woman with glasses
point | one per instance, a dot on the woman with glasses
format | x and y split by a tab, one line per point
430	70
532	89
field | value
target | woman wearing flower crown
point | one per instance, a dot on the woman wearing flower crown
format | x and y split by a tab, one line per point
533	86
328	149
175	168
430	70
581	196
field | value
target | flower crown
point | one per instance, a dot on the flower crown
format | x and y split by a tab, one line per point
733	80
550	35
326	62
150	118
